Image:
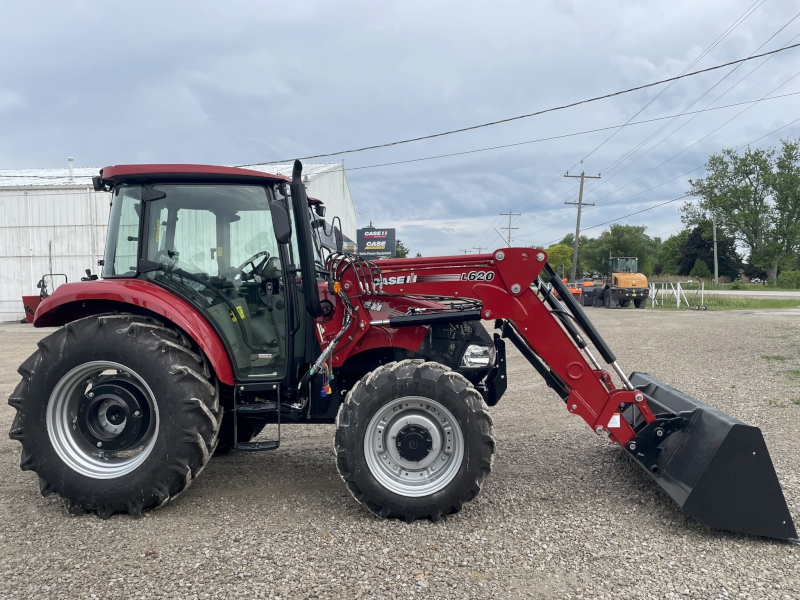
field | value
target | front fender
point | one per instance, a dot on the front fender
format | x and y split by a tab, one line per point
73	301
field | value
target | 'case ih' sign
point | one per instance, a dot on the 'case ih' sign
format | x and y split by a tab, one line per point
376	243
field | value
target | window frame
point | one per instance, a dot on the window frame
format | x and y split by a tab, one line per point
139	242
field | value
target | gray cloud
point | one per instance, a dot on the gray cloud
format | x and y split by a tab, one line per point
242	82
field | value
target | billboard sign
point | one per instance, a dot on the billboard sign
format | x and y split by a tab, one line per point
376	243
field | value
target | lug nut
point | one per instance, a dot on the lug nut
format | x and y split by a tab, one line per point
90	395
136	413
99	444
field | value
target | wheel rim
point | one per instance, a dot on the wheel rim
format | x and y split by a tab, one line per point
414	446
102	419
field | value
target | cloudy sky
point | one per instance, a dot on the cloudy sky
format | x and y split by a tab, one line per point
244	82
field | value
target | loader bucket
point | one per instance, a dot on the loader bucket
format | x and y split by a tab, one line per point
715	467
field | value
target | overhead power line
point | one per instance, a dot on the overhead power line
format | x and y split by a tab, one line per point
681	197
744	16
696	142
565	135
537	113
489	148
629	154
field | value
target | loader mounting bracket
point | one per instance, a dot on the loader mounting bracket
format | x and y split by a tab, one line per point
646	445
497	381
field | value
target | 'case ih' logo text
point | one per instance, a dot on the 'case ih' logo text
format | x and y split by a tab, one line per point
412	278
374	234
376	245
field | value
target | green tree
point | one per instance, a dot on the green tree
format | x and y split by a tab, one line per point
700	245
756	200
700	270
584	248
623	240
560	258
789	279
400	249
671	252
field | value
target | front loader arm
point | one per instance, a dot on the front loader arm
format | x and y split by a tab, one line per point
715	467
507	286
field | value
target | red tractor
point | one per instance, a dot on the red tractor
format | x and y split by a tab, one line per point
226	303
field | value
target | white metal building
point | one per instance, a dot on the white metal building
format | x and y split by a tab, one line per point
51	222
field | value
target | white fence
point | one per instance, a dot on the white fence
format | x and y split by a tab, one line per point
667	293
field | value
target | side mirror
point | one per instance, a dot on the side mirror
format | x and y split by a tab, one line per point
40	284
337	234
281	222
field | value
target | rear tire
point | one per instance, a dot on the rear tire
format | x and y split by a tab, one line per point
607	300
640	303
624	303
115	413
414	441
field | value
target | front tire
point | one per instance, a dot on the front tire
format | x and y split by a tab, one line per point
414	441
115	413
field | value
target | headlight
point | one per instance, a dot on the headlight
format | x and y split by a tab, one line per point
476	357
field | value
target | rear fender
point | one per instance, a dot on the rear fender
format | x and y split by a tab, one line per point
74	301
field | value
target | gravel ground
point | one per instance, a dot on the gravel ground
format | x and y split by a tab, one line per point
564	514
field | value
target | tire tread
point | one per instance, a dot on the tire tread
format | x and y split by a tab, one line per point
200	423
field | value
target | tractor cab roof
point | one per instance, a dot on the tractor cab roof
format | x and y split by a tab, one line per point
184	173
172	173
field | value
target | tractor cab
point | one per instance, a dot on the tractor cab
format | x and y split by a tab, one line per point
621	264
215	246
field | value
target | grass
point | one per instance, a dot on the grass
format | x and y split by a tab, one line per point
796	401
776	403
774	357
793	373
736	303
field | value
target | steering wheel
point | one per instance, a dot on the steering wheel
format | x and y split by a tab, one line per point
256	267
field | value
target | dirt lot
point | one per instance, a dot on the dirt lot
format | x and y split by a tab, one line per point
563	515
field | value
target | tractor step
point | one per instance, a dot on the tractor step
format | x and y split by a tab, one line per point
258	446
252	406
257	409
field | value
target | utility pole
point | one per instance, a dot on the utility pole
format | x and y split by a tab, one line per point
510	215
580	204
465	251
716	264
478	248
